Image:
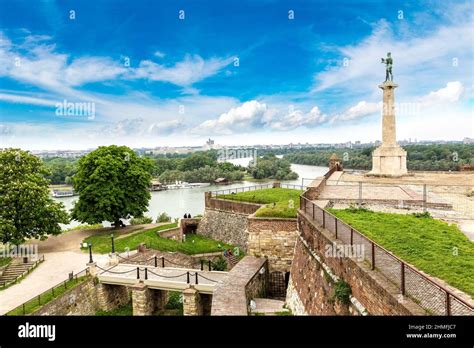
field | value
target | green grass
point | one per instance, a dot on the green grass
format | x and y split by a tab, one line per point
194	244
125	310
83	227
174	307
5	261
35	303
279	202
431	245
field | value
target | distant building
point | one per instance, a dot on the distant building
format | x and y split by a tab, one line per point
467	141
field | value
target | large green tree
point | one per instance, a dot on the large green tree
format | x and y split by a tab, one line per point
26	208
113	183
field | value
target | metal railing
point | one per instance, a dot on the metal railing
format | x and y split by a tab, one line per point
240	189
433	297
232	191
452	197
46	296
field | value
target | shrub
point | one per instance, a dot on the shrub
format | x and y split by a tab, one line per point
163	217
220	264
425	215
342	291
140	220
175	300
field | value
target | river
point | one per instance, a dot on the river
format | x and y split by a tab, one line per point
178	202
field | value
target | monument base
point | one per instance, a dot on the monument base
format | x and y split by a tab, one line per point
389	161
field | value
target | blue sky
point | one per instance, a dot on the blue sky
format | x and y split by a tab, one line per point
240	72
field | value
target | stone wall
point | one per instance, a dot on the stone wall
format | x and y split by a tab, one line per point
172	233
313	275
224	226
80	300
230	205
274	239
232	294
112	296
293	300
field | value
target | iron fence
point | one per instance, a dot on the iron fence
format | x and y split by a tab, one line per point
450	201
37	301
433	297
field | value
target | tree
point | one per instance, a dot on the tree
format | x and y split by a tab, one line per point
26	208
113	183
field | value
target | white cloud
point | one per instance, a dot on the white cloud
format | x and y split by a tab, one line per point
360	110
245	116
185	73
92	69
159	54
449	94
297	118
21	99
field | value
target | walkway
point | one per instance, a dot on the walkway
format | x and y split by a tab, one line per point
55	269
169	278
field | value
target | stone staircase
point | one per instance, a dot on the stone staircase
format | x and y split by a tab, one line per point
15	269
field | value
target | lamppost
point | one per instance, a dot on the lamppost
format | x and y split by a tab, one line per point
90	253
113	244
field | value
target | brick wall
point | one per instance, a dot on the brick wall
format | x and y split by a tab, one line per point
313	273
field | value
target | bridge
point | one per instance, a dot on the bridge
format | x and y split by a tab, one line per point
159	278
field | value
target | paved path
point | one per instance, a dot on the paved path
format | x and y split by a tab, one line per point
55	269
269	306
62	255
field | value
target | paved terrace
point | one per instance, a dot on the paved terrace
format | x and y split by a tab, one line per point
169	278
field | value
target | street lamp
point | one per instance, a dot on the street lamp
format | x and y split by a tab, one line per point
90	253
113	244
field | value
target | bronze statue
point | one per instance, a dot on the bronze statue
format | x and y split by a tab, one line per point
388	67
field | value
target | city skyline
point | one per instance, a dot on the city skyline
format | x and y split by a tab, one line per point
176	74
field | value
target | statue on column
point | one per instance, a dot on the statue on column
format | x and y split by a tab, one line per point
388	67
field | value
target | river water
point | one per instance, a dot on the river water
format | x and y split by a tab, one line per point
178	202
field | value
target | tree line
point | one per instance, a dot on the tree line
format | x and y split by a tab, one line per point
437	157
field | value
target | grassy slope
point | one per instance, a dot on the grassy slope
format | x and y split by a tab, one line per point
102	243
48	296
287	201
433	246
5	261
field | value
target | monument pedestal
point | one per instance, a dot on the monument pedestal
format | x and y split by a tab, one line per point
389	161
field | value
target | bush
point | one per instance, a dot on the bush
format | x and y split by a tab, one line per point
175	300
219	265
342	292
163	217
140	220
425	215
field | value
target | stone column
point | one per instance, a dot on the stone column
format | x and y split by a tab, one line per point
389	135
389	159
191	302
92	267
142	300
